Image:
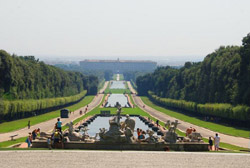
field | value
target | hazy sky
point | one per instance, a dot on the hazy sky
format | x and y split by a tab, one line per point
179	29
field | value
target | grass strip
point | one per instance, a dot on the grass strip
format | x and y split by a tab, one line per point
117	91
22	123
9	143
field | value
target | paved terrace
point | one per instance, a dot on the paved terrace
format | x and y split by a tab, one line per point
103	159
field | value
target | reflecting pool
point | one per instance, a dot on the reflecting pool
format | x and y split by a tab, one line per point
103	122
117	85
121	98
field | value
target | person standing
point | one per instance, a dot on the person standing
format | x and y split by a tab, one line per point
29	124
29	140
157	123
210	141
216	142
59	125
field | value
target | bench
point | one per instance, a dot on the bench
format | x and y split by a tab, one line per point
12	137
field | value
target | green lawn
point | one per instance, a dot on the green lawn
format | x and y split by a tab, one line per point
209	125
9	143
117	91
18	124
121	77
114	77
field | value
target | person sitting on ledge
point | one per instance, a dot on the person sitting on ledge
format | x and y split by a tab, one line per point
189	131
138	133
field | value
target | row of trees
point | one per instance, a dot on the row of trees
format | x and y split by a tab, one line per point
223	77
16	109
28	78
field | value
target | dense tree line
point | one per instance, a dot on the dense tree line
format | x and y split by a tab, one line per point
24	77
222	77
132	75
28	87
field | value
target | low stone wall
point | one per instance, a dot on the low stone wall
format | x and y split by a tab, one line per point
187	146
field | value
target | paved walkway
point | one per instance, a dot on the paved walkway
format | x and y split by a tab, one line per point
121	159
49	125
238	141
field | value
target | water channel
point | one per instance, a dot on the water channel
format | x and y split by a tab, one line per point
121	98
117	85
103	122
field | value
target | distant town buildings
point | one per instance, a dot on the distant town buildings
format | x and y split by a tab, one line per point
119	65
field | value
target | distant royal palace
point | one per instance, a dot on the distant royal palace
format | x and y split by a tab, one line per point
119	65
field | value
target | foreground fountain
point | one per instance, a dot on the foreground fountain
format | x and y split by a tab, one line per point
120	136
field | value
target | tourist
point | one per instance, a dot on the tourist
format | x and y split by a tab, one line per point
189	131
29	140
80	112
57	138
49	143
216	142
157	123
29	124
210	141
35	132
193	130
59	125
143	134
140	136
138	133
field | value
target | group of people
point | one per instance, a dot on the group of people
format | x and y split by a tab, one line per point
56	138
141	135
216	142
32	136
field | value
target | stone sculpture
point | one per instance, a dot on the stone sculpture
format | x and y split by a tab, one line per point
73	136
170	136
130	123
115	134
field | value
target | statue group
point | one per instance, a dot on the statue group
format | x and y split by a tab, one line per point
119	132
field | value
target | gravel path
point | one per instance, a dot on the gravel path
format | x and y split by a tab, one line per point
238	141
49	125
70	159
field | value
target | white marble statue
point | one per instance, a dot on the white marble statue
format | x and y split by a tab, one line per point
130	123
73	136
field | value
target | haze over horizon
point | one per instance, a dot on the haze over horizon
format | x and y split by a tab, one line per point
133	29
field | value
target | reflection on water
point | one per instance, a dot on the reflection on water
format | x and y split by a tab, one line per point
113	98
117	85
103	122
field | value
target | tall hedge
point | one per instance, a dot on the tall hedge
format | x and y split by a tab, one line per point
20	108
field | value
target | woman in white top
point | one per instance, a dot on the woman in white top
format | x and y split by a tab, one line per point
216	142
